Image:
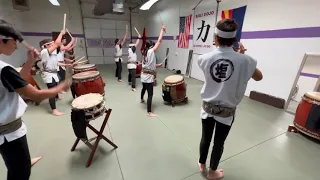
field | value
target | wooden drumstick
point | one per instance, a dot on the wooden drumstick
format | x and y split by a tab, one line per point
161	19
79	60
68	33
137	31
29	47
64	21
165	59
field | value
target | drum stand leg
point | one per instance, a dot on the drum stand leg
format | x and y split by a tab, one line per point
97	139
292	128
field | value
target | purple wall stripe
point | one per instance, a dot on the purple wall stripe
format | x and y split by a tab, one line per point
310	75
307	32
41	34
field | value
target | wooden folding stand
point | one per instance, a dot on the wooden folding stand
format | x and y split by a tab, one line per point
97	138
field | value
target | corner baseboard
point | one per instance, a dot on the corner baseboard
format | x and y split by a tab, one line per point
267	99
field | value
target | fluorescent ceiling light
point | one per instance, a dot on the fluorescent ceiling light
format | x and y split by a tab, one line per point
148	5
55	2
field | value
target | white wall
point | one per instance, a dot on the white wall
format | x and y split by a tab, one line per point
278	58
169	11
42	18
109	26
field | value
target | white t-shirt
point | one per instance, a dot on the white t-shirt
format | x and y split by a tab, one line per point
49	61
132	57
148	62
118	53
226	75
12	108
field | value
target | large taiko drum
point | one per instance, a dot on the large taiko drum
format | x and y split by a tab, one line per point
85	108
174	89
138	70
84	68
88	82
307	118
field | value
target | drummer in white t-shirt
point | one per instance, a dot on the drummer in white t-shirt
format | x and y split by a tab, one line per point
226	76
148	70
118	55
132	64
50	60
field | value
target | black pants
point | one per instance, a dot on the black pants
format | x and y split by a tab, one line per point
119	69
17	158
52	100
149	88
61	74
132	77
220	136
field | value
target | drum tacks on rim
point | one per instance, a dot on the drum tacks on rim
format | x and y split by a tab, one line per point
174	90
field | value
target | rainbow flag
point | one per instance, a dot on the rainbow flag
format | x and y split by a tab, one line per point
238	15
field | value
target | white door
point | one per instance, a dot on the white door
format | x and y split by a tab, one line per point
100	35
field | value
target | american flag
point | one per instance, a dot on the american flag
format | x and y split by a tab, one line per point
184	32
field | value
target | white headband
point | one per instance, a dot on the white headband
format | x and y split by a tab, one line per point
4	37
130	45
223	34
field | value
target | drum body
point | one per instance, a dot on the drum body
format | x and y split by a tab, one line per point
138	70
307	118
84	68
88	82
174	89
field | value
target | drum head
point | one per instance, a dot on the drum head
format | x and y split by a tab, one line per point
86	75
173	79
18	69
84	66
87	101
313	95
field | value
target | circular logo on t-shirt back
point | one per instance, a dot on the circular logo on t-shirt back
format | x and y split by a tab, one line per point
221	70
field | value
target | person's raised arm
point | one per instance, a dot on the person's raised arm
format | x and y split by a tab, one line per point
25	71
69	46
56	43
138	40
125	37
156	46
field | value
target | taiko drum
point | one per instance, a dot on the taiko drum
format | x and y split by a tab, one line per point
307	118
174	89
88	82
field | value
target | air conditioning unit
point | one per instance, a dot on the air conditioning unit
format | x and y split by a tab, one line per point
103	7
